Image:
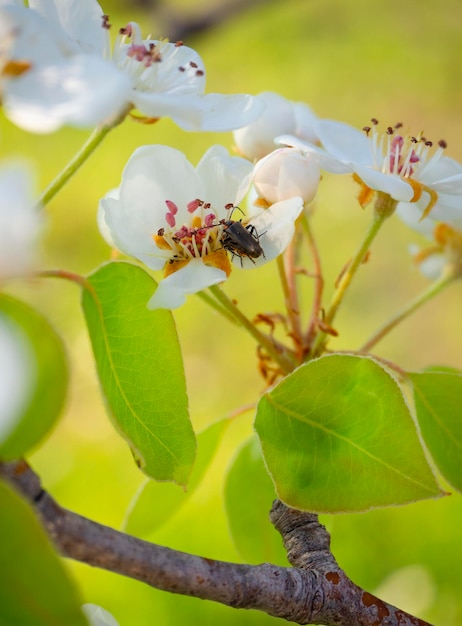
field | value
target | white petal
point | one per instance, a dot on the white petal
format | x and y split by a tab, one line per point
17	376
325	161
392	184
194	277
437	169
81	91
255	140
155	174
275	227
448	209
450	185
344	142
305	121
431	266
226	178
97	616
80	19
212	112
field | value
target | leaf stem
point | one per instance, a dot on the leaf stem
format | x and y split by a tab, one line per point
271	346
70	276
427	294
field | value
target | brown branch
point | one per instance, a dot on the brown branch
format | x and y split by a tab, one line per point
314	591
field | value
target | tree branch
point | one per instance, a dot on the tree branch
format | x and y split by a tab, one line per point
314	591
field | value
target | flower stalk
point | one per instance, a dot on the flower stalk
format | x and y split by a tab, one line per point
430	292
277	352
95	139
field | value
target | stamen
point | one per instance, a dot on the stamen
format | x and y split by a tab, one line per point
194	204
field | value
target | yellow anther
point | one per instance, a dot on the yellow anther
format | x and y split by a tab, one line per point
196	222
161	243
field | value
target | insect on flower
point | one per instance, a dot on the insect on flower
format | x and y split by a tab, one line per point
242	241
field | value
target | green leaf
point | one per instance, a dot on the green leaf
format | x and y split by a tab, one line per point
35	589
145	515
140	368
249	494
337	435
45	376
438	401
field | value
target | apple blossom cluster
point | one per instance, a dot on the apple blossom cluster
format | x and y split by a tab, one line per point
57	67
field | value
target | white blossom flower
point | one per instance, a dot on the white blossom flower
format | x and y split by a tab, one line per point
280	116
285	173
445	251
399	165
21	223
175	217
55	68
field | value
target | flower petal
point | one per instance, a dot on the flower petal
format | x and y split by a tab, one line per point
344	142
80	19
325	161
194	277
392	184
226	178
211	112
82	90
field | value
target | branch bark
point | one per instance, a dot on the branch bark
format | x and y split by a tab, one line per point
314	591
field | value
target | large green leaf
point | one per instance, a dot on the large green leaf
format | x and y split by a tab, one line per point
35	589
145	515
438	403
45	368
249	494
337	435
140	368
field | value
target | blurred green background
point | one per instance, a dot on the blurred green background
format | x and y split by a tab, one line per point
393	60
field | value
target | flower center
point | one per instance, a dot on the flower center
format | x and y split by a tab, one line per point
402	155
155	66
199	239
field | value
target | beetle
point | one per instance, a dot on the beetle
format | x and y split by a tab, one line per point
242	241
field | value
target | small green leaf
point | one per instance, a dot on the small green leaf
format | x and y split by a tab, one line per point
438	402
249	494
140	368
45	366
35	589
337	435
145	515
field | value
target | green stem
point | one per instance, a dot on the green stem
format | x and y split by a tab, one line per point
217	306
426	295
70	276
287	278
266	342
358	258
318	284
74	164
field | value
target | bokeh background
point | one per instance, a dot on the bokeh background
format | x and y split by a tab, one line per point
393	60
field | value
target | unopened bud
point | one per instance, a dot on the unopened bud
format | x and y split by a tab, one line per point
286	173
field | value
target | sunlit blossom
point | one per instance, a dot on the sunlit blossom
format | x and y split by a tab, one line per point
405	167
56	68
173	216
280	116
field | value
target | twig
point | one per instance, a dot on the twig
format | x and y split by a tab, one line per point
314	591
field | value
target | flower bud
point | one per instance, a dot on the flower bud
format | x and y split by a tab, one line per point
286	173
